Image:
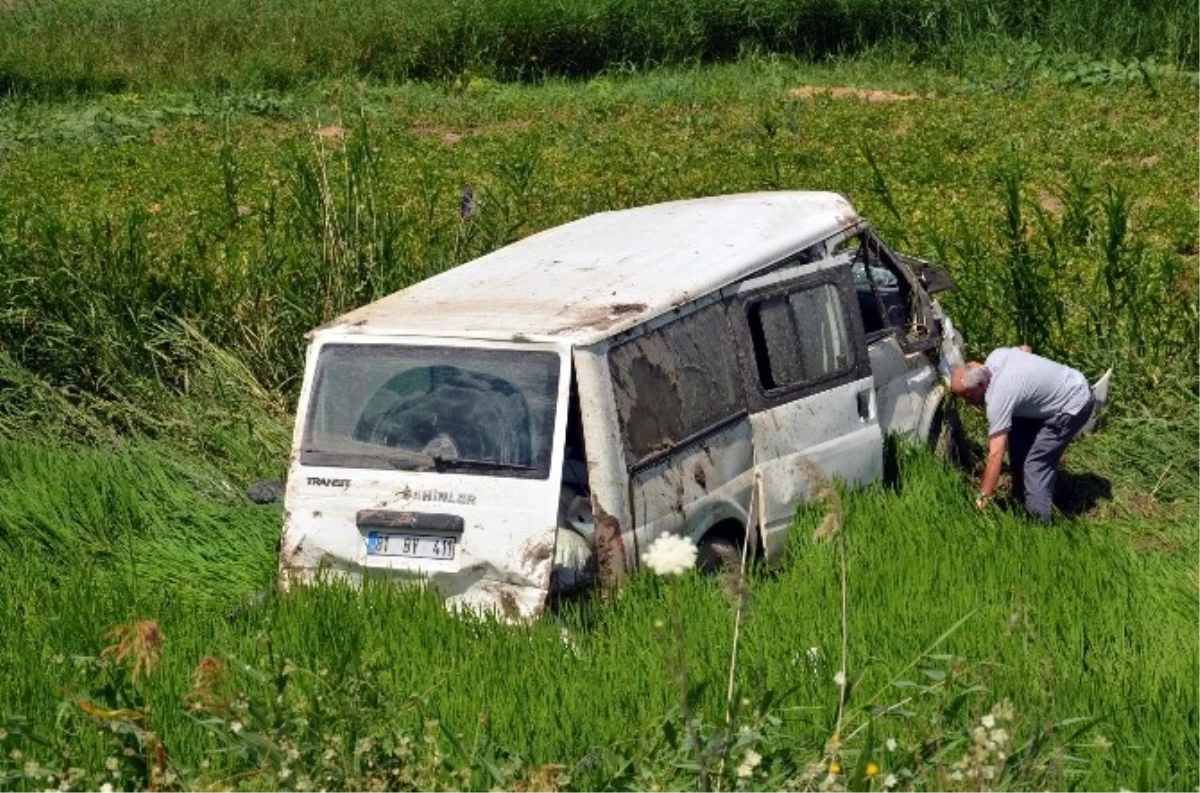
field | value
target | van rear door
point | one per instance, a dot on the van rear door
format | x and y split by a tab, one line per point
808	386
432	458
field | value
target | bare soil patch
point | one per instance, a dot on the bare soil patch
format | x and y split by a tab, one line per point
850	92
332	132
452	137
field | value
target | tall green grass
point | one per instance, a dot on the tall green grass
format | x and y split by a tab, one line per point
70	46
267	240
1065	624
143	521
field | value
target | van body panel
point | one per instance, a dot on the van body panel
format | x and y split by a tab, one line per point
807	374
607	479
697	486
803	445
342	518
903	382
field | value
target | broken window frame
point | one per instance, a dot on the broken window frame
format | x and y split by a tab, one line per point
920	304
760	397
793	362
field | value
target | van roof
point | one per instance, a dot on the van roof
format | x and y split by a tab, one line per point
594	277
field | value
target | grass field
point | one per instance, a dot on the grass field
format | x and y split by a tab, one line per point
162	254
76	46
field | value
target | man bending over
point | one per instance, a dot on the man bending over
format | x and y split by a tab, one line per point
1035	406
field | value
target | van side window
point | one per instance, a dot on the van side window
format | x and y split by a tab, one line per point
799	337
675	382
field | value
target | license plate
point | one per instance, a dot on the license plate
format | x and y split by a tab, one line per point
416	546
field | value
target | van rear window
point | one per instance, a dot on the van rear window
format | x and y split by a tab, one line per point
478	411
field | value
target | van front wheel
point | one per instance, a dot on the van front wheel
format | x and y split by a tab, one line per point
717	554
948	439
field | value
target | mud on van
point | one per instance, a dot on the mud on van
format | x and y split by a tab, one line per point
607	381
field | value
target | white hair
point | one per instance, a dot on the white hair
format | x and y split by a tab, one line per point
976	376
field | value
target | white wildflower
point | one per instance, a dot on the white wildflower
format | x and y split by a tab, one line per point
1102	742
988	721
670	554
749	763
840	679
1000	736
814	655
33	768
236	726
890	781
891	744
957	776
106	788
111	763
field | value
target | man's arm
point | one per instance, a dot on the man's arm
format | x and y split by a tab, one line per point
997	445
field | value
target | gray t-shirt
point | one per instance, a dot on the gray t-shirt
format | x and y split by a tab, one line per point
1025	385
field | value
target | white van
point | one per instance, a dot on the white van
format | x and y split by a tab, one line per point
501	429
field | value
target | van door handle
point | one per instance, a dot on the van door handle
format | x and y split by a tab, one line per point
863	398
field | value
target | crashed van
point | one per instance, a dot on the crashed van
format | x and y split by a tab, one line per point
528	421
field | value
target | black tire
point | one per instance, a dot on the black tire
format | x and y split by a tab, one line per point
717	554
948	439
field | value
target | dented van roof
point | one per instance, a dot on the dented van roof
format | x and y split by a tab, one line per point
597	276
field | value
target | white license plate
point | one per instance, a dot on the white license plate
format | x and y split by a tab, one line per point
417	546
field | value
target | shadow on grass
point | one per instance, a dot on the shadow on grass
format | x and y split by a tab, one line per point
1079	493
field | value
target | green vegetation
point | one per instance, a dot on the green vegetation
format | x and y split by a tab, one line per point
162	255
76	45
341	688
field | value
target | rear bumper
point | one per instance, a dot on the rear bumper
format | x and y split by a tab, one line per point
476	589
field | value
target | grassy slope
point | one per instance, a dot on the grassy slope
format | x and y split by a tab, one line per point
1094	619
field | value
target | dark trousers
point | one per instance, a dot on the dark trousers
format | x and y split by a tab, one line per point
1035	448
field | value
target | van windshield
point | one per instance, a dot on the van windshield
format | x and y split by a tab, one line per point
475	411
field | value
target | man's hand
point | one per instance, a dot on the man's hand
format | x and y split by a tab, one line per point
997	445
1025	348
